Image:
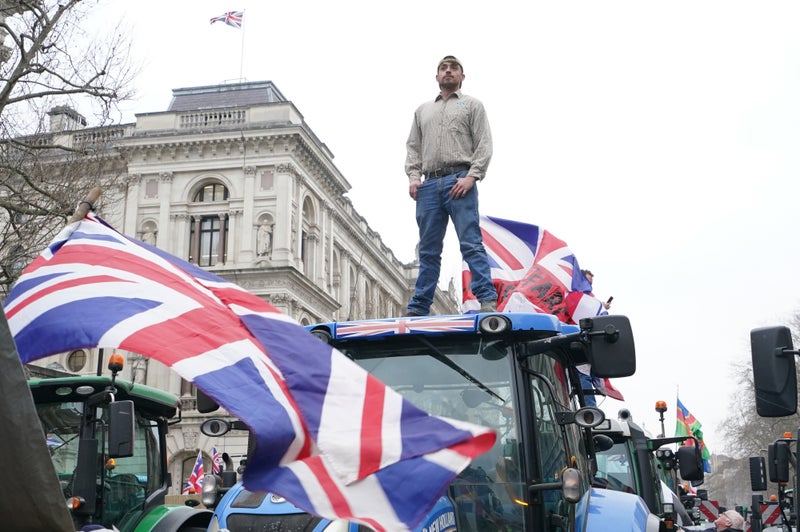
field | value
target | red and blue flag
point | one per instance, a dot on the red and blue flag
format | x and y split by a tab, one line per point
195	482
382	463
231	18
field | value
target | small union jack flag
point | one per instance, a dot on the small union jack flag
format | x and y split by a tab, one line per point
216	460
195	482
231	18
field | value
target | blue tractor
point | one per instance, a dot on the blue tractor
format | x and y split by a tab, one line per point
515	373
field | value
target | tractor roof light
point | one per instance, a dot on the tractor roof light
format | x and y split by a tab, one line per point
115	363
494	324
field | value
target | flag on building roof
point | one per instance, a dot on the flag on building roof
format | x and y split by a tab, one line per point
231	18
195	482
687	425
384	467
216	461
534	271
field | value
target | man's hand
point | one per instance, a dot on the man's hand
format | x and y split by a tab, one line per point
462	186
412	188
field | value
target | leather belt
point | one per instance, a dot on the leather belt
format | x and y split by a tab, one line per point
447	170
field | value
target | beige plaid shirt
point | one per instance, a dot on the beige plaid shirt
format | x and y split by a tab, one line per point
448	133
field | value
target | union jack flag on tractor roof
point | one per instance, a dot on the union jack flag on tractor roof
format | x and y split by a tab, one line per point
231	18
533	271
195	482
93	287
442	324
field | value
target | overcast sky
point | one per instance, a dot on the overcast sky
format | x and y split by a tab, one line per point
658	139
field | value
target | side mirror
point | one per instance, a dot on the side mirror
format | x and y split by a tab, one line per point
778	458
205	404
120	429
774	375
690	463
758	474
602	442
611	350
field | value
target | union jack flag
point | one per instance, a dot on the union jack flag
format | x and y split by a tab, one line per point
533	271
231	18
216	461
378	464
404	326
195	482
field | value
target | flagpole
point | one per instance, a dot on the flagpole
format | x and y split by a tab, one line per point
241	54
86	205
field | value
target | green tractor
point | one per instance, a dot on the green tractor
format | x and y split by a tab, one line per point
86	450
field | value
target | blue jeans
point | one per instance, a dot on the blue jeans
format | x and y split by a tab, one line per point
434	209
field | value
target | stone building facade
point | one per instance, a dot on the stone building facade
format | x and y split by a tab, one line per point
230	177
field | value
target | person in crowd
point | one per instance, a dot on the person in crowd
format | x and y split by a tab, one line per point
728	521
590	277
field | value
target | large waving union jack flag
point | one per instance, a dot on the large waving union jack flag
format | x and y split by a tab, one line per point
382	464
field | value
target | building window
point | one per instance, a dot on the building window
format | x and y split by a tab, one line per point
211	192
76	360
209	236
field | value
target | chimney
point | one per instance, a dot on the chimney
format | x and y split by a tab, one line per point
64	118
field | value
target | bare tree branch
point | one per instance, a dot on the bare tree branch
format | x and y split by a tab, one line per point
51	69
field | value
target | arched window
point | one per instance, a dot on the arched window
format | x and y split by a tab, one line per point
211	192
369	299
307	251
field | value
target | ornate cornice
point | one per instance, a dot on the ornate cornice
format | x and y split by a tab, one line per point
288	168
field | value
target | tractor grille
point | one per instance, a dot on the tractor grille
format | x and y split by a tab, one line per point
271	523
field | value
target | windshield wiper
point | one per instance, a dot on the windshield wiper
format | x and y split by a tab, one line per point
441	357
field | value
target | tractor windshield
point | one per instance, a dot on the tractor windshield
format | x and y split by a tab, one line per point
123	484
467	379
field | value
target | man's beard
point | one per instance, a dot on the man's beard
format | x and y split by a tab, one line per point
449	85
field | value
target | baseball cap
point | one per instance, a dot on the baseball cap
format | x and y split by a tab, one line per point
450	59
